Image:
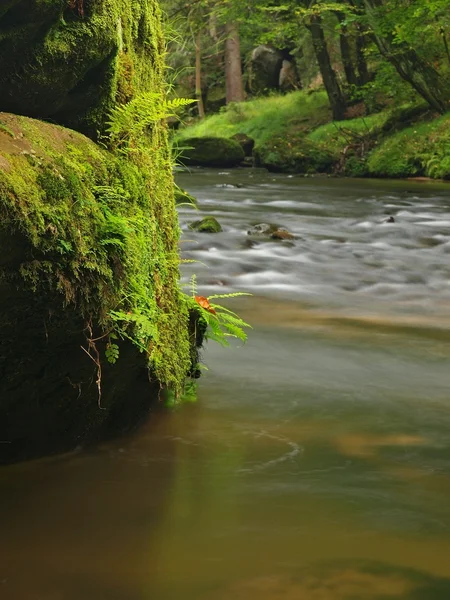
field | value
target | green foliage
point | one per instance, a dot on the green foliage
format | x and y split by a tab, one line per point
263	118
337	134
112	352
129	122
221	323
293	154
422	149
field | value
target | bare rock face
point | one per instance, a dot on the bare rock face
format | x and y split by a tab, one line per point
264	69
289	78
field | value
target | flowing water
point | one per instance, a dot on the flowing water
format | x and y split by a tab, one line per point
316	463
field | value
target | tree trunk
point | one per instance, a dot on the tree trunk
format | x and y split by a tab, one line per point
198	77
361	63
346	52
422	76
329	77
233	69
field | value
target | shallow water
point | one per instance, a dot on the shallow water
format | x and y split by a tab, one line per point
316	463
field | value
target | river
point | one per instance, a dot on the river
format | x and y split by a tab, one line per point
316	463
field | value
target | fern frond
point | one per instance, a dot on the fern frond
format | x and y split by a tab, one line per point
232	295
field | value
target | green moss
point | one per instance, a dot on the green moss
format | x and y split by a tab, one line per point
420	150
293	154
264	118
206	225
100	231
211	151
72	68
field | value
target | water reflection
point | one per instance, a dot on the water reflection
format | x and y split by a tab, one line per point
365	582
315	466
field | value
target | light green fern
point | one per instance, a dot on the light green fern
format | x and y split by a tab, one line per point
130	121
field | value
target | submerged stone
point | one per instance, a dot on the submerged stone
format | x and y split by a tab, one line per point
206	225
263	229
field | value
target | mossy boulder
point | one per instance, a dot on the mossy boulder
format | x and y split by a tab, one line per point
70	62
211	152
206	225
293	155
247	143
88	268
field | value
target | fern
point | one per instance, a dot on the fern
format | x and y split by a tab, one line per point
128	122
221	322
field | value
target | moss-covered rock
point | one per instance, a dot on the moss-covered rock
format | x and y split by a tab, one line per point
293	155
70	62
206	225
211	152
247	143
88	270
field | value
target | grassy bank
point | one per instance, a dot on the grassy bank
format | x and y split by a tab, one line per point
294	133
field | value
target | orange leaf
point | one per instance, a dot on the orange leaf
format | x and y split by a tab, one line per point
204	303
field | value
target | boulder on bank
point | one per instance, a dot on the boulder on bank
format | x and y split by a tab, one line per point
293	155
206	225
70	62
246	142
211	152
77	237
264	69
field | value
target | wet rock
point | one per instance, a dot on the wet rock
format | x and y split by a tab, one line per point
248	244
390	220
282	234
206	225
248	162
211	152
245	141
263	229
230	185
270	230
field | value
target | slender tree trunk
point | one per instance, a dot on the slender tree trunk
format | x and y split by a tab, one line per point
233	69
329	77
361	40
346	52
422	76
198	77
361	63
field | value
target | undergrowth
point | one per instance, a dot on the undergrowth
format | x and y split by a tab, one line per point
263	118
420	150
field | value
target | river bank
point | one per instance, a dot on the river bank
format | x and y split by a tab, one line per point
294	133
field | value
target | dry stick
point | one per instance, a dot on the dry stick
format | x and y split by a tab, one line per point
92	347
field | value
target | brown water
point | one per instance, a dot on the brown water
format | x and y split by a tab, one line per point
316	463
